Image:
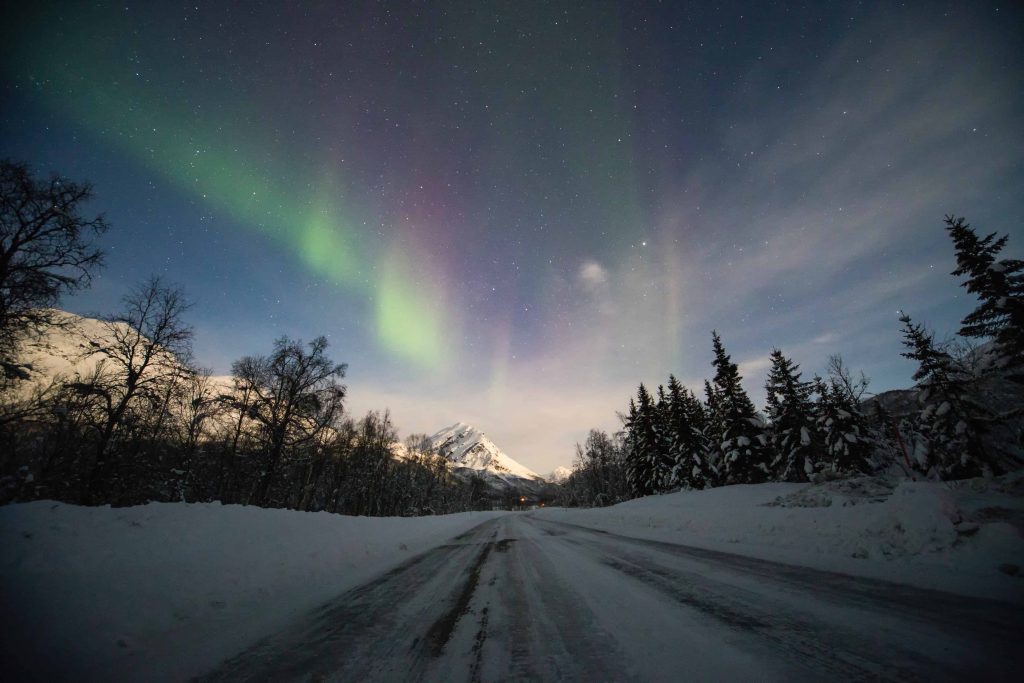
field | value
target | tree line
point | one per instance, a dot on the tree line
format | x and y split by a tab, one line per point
143	423
968	421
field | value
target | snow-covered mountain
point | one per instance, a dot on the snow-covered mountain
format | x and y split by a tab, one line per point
559	475
70	348
467	447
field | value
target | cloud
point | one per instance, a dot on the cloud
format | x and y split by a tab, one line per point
592	274
825	338
754	366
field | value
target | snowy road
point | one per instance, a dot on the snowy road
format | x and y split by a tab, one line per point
522	598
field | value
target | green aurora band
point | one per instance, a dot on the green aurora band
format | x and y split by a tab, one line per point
213	162
75	60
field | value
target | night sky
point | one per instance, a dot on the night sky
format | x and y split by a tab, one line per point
511	213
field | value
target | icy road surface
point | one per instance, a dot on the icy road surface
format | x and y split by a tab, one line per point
521	598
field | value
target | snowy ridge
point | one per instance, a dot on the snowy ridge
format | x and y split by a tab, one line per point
71	347
65	349
466	446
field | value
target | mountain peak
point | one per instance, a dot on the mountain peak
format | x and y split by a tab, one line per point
466	446
559	475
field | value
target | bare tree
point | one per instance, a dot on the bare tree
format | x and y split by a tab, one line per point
140	351
196	406
45	250
240	402
842	378
295	396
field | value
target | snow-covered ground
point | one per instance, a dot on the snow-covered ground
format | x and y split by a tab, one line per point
524	598
167	590
965	537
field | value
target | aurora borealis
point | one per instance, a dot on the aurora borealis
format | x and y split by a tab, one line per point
510	214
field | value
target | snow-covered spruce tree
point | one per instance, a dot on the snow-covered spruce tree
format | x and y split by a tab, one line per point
947	433
744	452
661	458
1000	287
792	432
841	430
850	442
712	433
633	456
645	445
687	450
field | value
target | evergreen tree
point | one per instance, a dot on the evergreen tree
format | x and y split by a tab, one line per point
1000	287
712	433
792	420
634	457
744	455
947	433
688	452
646	445
662	462
841	429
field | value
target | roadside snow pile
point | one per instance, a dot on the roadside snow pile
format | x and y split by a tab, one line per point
967	538
841	492
165	591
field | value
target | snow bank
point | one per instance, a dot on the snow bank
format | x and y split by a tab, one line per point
966	538
165	591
